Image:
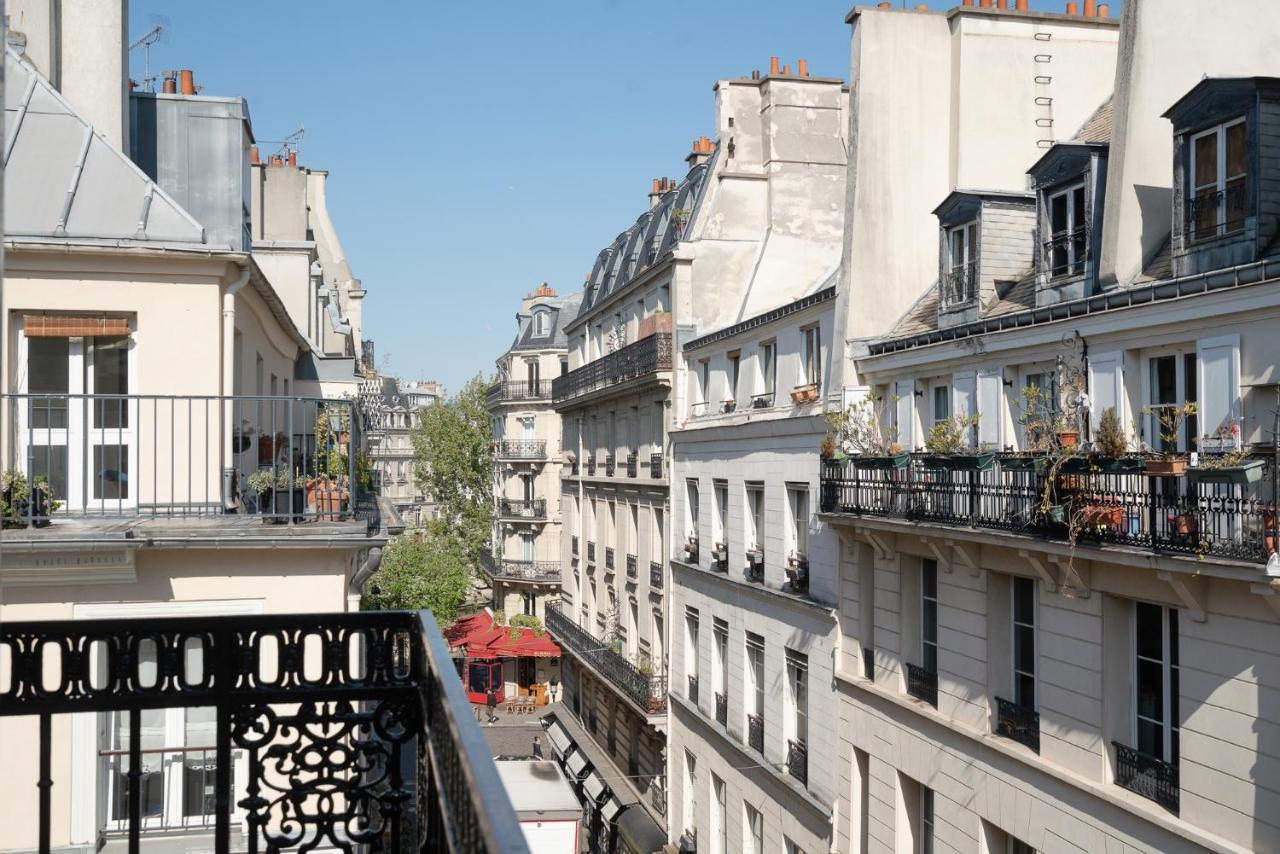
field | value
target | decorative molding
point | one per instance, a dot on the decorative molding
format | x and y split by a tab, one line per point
87	567
1041	571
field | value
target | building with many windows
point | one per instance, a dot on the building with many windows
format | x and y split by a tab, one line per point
393	410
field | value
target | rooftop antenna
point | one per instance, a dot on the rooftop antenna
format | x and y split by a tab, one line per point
159	33
290	142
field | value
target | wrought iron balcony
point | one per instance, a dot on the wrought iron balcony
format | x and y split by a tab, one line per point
1065	253
609	466
1148	776
648	692
959	285
655	575
591	551
755	732
1018	723
754	570
720	557
574	544
922	684
655	466
281	459
1192	515
633	464
540	571
393	757
1217	213
693	689
722	709
646	356
798	760
869	662
591	466
501	392
522	508
517	450
632	572
608	558
763	400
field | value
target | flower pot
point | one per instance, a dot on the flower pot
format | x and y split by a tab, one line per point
881	462
1057	514
1184	524
804	394
1270	535
1068	438
1102	516
1176	467
1249	471
326	498
282	505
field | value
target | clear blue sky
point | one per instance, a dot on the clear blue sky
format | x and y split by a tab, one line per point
477	149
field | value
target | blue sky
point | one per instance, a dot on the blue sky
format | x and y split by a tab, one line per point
477	149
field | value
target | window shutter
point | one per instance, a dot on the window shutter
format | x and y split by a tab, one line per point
1218	383
990	407
905	390
964	392
1106	386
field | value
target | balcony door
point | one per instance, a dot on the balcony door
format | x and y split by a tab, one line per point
75	425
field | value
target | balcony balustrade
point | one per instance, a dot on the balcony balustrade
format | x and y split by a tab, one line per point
922	684
798	760
609	467
393	757
608	558
764	400
632	572
286	459
1018	723
755	732
648	692
633	464
540	571
655	575
655	466
722	709
501	392
518	450
646	356
960	285
1186	515
574	544
1065	253
522	508
1148	776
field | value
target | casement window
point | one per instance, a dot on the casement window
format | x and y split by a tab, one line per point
691	514
721	518
924	830
1155	630
798	510
755	516
1218	180
1068	245
691	642
929	615
720	657
735	365
704	381
657	554
790	847
941	403
719	816
633	529
768	369
959	281
1024	642
1171	383
797	720
754	831
812	356
754	646
690	791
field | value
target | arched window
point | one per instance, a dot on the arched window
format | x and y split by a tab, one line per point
542	323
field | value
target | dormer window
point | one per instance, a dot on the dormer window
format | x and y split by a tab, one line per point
1068	246
1218	181
542	323
960	279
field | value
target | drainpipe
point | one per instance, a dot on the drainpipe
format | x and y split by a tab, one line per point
227	384
372	559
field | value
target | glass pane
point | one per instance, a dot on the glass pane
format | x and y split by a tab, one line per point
153	739
110	471
48	373
1206	160
1150	690
50	461
1058	215
1024	691
930	658
1024	600
1237	151
111	365
1206	212
1237	196
929	629
1150	633
199	766
1024	649
1150	738
929	577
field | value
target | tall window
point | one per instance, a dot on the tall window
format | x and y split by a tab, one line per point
929	615
1218	180
813	356
633	529
542	323
720	657
798	510
657	554
735	362
704	381
691	650
690	790
1156	682
633	637
768	368
1172	383
721	517
753	834
755	515
925	830
1024	642
719	817
961	254
797	723
691	486
754	704
1068	245
941	402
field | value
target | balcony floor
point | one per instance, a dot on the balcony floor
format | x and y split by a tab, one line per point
242	529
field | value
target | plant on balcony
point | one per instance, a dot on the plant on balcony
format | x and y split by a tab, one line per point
1222	460
1184	520
1171	418
691	549
22	500
279	496
862	433
949	446
804	393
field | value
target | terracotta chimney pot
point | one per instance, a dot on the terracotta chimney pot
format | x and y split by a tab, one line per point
169	86
293	158
1020	5
967	2
1104	11
1073	9
186	82
885	5
253	154
773	65
923	7
1002	4
802	68
1090	8
984	4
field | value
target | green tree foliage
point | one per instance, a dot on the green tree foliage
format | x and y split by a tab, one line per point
422	569
453	461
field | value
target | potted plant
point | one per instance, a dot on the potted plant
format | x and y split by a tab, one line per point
949	446
862	436
1184	521
1222	460
798	571
1111	448
327	496
804	393
754	570
728	406
1171	417
691	549
827	450
720	553
280	497
1102	515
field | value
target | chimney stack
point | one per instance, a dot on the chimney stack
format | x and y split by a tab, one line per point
253	155
802	67
1073	8
293	158
701	150
1020	5
1090	8
773	65
967	2
1002	4
656	193
1104	11
169	86
186	82
884	5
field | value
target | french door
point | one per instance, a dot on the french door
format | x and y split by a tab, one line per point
178	768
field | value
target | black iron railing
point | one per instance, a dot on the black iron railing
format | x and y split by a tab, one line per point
869	662
1216	213
591	551
655	575
722	709
542	571
763	400
608	558
574	544
959	285
522	508
500	391
720	557
646	356
632	572
755	732
591	466
1148	776
922	684
1018	723
693	689
373	710
1066	252
609	467
798	760
283	459
1187	515
633	464
754	570
655	466
516	450
648	692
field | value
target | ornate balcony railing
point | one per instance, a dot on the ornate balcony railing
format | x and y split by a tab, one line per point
693	689
655	575
755	732
609	466
608	558
648	692
959	285
722	709
1216	213
393	757
574	544
646	356
509	449
798	760
1065	253
633	464
763	400
632	572
869	662
517	508
1189	515
922	684
517	391
542	571
655	466
1018	723
591	551
591	466
1148	776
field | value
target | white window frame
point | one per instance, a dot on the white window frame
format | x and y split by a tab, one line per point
798	519
1074	265
1221	178
1170	727
925	643
768	362
1014	623
811	361
754	516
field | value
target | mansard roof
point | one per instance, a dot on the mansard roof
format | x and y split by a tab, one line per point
563	309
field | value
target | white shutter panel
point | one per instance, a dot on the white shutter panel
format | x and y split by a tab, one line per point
905	391
1106	386
990	407
964	391
1218	382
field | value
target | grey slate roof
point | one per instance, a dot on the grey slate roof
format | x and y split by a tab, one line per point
563	309
64	181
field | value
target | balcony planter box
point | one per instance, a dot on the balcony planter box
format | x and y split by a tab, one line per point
804	394
1184	524
284	505
1102	516
961	462
691	551
1024	463
762	401
1120	465
798	573
1176	467
728	406
1249	471
881	462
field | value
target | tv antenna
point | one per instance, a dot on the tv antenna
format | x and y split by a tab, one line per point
289	143
158	34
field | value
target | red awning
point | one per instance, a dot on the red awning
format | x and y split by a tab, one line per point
479	637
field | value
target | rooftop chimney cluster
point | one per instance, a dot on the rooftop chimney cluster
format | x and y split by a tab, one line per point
182	81
1092	9
543	290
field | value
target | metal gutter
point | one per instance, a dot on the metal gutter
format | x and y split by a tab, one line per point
787	310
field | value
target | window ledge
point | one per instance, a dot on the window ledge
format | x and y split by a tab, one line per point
806	602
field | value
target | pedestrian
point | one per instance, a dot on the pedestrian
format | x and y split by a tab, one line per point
537	747
491	701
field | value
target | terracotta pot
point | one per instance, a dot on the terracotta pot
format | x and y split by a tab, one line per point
1176	467
1184	524
1069	438
1103	515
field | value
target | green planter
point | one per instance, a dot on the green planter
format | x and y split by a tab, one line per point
1029	463
881	462
1120	465
961	462
1057	514
1075	465
1250	471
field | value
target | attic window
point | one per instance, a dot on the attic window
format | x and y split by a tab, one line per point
1068	246
542	323
1218	180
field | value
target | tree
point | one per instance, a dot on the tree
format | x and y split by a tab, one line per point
422	569
453	461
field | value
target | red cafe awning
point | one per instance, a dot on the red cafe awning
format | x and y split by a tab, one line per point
479	637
